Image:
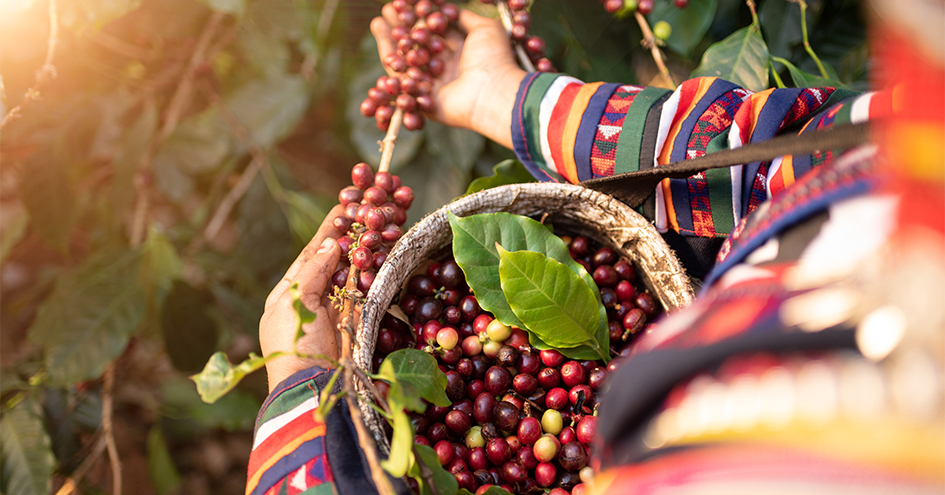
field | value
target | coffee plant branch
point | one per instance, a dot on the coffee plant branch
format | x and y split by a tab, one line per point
72	483
179	101
650	42
505	14
46	72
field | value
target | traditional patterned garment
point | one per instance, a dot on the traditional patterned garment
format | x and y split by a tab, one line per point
565	130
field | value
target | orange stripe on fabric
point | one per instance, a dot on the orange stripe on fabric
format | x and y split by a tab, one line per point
274	442
747	114
284	451
786	173
557	123
569	135
690	93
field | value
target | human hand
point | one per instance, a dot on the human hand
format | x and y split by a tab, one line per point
480	79
312	270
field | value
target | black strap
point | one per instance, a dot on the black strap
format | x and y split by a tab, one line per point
634	187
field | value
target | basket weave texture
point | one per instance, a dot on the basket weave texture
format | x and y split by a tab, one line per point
573	209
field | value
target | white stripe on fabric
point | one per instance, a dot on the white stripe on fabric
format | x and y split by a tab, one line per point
274	424
545	108
667	116
735	141
772	172
860	111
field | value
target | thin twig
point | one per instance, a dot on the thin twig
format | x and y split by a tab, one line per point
505	15
72	482
175	108
649	41
46	71
366	441
371	388
390	140
107	427
754	12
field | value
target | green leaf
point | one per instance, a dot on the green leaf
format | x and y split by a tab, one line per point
552	301
90	315
304	215
781	24
49	199
742	58
505	172
161	265
26	453
164	474
445	482
190	335
134	143
233	7
402	394
689	24
270	108
806	80
302	314
419	369
401	451
220	376
197	146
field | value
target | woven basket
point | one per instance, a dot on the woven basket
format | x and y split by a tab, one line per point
573	209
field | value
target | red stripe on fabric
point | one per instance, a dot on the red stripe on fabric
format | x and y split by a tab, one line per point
280	437
557	123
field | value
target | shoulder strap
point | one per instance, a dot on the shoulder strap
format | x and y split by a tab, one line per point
634	187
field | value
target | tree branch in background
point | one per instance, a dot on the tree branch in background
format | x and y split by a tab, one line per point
46	72
72	483
107	427
175	108
649	41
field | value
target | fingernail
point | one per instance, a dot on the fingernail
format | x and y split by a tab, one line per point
326	245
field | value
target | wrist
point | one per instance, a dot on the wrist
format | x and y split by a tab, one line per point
492	112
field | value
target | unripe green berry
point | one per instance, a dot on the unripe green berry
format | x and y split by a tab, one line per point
662	30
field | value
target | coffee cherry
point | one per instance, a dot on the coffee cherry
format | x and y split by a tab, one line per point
535	45
498	452
507	356
612	6
549	378
596	377
506	416
458	422
574	395
605	276
551	422
529	430
634	321
361	258
545	474
551	358
498	331
662	30
545	449
473	439
413	121
572	456
586	429
514	472
645	6
556	398
524	384
681	4
498	380
573	373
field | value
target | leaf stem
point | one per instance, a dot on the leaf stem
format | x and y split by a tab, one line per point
108	430
754	13
774	73
807	47
649	41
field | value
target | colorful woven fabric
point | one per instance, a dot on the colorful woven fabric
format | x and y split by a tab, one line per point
597	130
289	454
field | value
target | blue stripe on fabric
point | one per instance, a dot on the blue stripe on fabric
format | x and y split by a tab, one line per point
680	187
588	129
769	120
519	136
285	466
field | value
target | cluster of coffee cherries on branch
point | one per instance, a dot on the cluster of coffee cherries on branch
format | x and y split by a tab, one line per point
642	6
519	418
419	37
521	23
375	209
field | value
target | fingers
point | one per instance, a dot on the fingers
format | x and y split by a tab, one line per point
314	275
381	31
325	231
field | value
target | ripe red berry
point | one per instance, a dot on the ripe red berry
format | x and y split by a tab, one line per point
413	121
681	4
361	258
645	6
535	45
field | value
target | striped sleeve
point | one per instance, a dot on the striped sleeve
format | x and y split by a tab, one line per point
289	453
566	130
